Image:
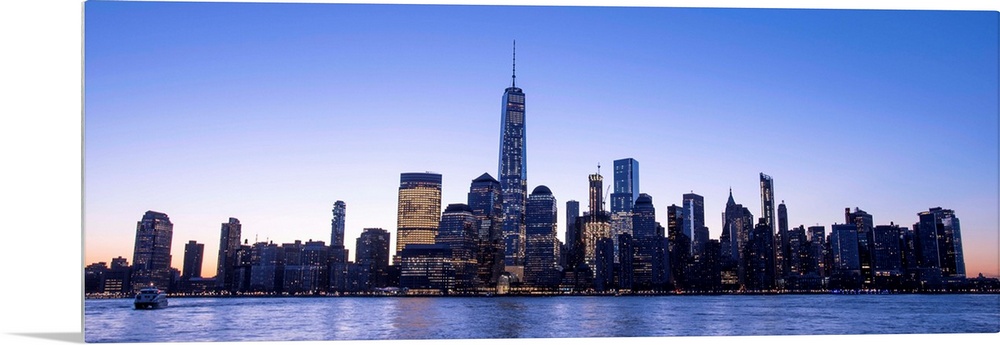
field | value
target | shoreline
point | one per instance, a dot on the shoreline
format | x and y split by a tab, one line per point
574	294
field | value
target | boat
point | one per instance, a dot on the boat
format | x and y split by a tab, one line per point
150	298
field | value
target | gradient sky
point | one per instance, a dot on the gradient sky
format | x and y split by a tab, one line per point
272	112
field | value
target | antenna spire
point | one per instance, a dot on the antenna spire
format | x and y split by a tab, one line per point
513	72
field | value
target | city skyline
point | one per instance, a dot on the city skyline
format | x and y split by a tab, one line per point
284	123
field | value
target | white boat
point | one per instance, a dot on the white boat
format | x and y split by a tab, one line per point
150	298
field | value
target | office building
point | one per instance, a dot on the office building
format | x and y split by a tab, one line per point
541	267
151	256
484	200
513	175
229	261
371	254
194	254
419	209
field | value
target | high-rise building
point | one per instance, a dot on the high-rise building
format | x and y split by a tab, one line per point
337	223
541	244
887	257
623	198
864	223
572	214
626	185
846	270
767	200
484	200
419	209
694	222
314	267
458	231
194	252
650	259
939	242
817	239
371	254
782	255
679	246
759	258
644	217
151	257
226	276
596	223
513	176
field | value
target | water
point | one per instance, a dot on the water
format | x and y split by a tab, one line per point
360	318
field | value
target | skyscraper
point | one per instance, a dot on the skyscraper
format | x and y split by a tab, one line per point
939	242
484	200
694	222
572	214
541	246
596	226
626	188
337	224
227	276
151	257
783	253
194	252
419	209
371	253
458	231
767	200
864	224
513	174
737	224
644	217
337	253
846	270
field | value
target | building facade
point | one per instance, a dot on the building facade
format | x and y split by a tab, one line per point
151	256
419	209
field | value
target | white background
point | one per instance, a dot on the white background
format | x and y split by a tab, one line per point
40	174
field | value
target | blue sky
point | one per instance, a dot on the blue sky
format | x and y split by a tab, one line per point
271	112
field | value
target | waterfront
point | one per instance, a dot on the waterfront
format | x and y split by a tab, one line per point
356	318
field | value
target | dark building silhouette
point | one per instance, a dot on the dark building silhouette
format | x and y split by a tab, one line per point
760	258
679	249
427	269
194	254
372	259
458	231
865	224
484	200
938	248
694	221
572	214
887	256
151	257
267	266
541	267
227	273
782	255
737	223
845	272
513	176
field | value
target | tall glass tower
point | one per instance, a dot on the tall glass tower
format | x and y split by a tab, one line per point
226	276
419	211
626	186
151	258
337	223
513	175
